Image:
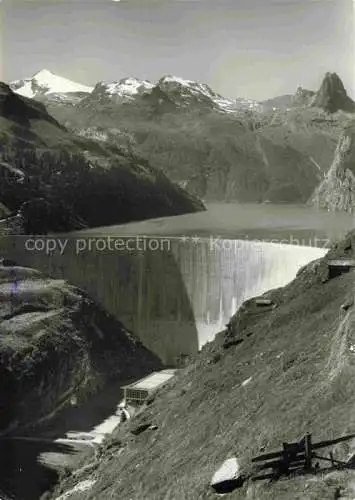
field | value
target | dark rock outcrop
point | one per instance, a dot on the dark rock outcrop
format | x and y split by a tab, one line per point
332	95
21	110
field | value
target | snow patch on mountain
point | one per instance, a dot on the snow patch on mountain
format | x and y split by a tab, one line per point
125	88
222	103
128	86
168	83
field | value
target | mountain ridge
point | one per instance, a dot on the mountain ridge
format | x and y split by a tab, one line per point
46	85
331	96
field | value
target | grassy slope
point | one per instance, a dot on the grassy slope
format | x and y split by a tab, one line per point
302	380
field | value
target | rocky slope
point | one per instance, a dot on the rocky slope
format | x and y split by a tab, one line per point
337	189
274	374
57	343
41	159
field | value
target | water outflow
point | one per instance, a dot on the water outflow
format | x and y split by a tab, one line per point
175	298
220	275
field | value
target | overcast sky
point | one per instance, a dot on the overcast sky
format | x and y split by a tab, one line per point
248	48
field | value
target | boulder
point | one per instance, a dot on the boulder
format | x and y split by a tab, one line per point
228	476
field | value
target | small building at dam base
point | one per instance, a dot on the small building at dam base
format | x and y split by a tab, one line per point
137	393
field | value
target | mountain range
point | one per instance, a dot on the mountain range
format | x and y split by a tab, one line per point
53	177
243	154
45	85
278	150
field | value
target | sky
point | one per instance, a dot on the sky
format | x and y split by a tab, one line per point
255	49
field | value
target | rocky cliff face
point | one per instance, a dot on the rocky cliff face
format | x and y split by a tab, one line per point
337	190
56	343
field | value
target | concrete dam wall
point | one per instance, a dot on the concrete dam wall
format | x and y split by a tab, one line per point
219	277
175	298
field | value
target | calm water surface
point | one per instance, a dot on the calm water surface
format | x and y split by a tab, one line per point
293	224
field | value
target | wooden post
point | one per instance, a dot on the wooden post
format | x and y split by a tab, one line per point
308	452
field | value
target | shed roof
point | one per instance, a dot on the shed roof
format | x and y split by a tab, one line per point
341	262
152	381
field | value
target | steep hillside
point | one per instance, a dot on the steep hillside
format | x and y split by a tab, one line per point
337	189
274	374
77	178
56	343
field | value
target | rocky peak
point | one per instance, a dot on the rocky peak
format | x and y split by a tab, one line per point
332	95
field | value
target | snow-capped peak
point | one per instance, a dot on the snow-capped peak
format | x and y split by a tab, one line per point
126	87
43	74
45	82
